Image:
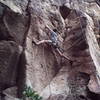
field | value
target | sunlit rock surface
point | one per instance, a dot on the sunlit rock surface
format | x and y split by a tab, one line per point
40	66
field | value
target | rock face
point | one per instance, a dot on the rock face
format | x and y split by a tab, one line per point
22	62
9	50
10	93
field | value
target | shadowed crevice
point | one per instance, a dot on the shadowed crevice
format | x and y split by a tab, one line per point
65	11
21	78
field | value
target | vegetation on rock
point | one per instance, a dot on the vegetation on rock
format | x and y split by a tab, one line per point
30	94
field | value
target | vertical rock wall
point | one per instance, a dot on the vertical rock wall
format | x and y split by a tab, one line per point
40	66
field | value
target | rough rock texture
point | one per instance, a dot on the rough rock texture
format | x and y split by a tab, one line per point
10	93
40	66
9	50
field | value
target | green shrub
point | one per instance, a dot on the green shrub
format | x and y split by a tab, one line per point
32	95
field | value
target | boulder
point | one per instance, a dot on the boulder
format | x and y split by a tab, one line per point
9	57
10	93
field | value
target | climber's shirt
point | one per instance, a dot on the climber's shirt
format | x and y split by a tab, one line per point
54	38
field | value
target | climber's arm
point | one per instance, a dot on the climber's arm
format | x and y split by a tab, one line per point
49	28
41	42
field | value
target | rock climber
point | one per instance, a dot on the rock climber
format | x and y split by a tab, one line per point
54	41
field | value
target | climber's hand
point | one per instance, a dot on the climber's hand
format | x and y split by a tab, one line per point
34	42
48	28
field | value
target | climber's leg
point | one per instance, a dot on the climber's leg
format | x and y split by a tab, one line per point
61	54
42	41
60	49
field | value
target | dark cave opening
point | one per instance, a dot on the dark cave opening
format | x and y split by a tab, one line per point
93	96
64	11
